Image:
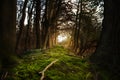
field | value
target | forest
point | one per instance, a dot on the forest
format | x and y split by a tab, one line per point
59	40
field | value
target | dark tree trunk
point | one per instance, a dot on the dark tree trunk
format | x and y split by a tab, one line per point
7	34
37	22
107	55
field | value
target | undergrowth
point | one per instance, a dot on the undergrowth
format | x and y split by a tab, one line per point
66	68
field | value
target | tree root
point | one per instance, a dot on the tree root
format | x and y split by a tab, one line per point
45	69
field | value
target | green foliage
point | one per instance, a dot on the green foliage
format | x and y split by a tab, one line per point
67	68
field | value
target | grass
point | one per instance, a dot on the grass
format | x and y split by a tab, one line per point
67	68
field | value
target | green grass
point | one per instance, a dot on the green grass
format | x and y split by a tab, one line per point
66	68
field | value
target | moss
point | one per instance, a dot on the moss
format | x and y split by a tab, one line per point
67	68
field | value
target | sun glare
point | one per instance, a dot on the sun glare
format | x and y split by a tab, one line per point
61	38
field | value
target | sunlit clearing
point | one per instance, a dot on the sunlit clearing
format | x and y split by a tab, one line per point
61	38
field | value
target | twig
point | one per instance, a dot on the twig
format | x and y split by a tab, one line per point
4	75
48	66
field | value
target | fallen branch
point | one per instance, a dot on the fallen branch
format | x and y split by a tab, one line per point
4	75
48	66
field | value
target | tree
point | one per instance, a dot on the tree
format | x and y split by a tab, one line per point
49	20
21	28
86	32
107	55
28	41
37	22
7	34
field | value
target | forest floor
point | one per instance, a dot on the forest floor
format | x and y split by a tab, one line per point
56	63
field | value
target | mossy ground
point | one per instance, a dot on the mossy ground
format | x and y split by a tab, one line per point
68	67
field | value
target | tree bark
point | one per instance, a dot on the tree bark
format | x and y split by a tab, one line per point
7	34
107	54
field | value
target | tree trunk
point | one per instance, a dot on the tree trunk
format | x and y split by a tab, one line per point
28	31
107	54
21	26
37	22
7	34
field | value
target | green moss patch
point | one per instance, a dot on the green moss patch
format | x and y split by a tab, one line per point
66	68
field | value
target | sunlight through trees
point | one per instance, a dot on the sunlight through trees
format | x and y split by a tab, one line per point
40	22
61	38
88	29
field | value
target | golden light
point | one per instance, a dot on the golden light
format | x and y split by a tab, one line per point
61	38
